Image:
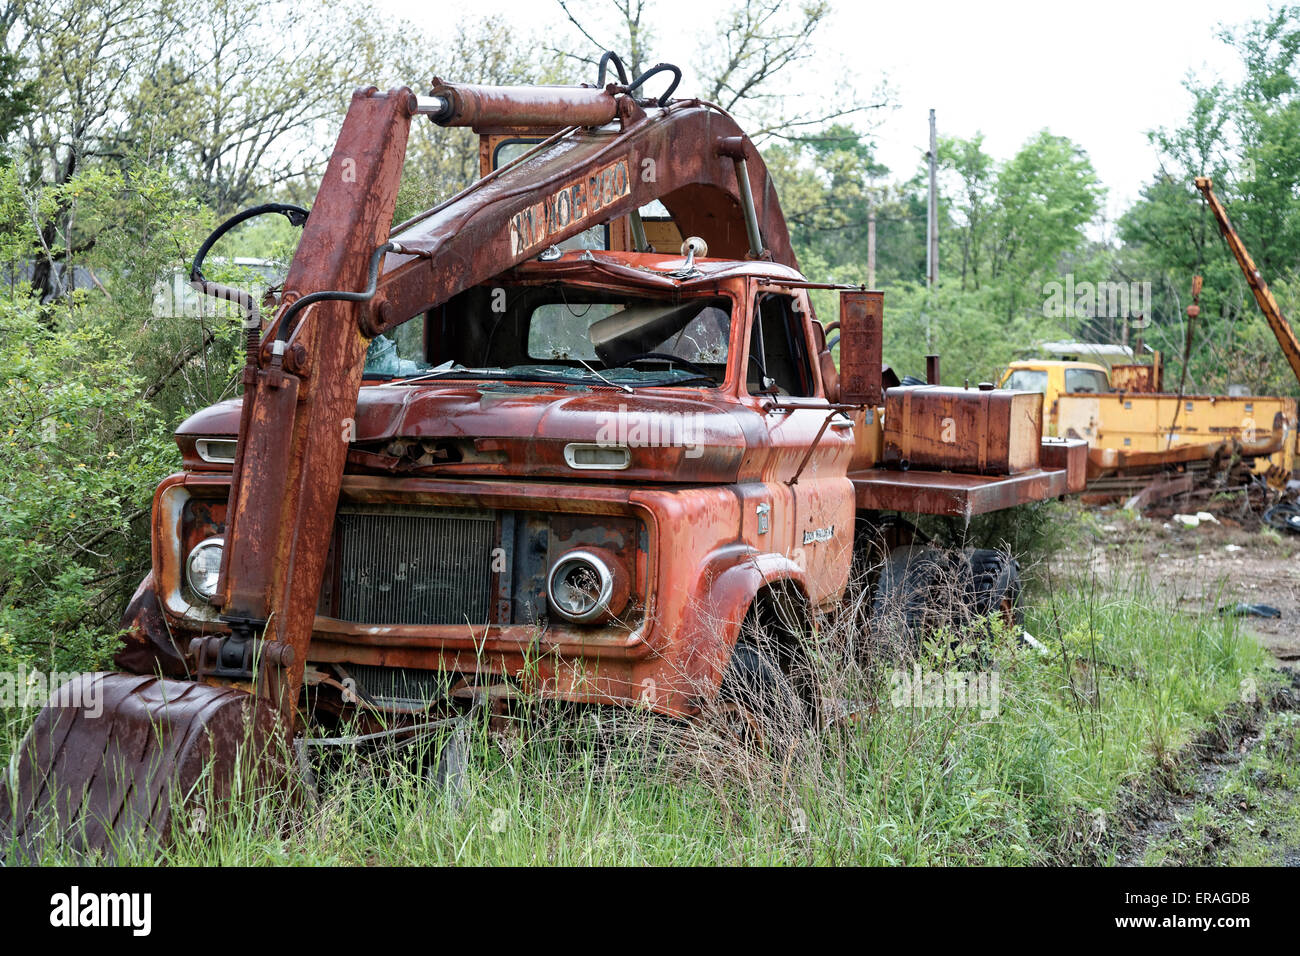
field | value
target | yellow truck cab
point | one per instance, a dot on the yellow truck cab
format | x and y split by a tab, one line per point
1054	377
1126	426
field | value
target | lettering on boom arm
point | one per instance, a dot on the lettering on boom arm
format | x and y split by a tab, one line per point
534	225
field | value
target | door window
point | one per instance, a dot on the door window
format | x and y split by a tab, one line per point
1086	380
778	350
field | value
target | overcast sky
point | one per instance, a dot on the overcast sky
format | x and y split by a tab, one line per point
1102	73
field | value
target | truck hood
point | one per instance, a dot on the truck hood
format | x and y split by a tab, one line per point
536	431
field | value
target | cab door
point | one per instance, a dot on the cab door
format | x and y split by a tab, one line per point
806	470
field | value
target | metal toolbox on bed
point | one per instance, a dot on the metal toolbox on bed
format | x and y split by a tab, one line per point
972	430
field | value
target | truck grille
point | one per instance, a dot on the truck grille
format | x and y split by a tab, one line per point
399	688
415	566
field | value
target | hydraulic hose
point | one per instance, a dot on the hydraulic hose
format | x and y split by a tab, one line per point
365	295
609	56
252	323
654	71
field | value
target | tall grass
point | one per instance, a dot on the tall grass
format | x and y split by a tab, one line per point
1124	683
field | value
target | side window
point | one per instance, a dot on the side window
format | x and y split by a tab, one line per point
1085	380
1027	380
778	349
398	353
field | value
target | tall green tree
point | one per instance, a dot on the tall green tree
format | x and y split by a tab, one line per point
1246	137
1046	195
970	208
1010	226
17	94
237	101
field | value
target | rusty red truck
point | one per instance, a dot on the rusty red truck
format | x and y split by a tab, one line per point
505	449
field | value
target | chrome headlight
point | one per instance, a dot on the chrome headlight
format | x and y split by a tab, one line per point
203	566
587	585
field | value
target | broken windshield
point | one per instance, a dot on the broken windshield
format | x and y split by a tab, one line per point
562	332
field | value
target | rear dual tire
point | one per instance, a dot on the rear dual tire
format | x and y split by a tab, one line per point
922	589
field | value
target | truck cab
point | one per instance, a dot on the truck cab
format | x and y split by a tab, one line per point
593	464
1053	378
1131	424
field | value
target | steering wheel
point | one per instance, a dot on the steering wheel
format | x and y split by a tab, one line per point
676	360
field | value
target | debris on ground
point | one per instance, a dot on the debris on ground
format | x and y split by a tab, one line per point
1243	609
1192	521
1284	516
1031	641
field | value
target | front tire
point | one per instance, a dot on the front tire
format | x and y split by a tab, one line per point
770	695
922	589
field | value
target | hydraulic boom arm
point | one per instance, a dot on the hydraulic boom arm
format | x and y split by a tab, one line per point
1268	305
611	156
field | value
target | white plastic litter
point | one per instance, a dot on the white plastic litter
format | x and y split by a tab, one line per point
1035	643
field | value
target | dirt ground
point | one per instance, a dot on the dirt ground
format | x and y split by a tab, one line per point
1238	799
1206	568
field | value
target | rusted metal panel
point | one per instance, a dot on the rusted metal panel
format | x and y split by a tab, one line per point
861	347
258	501
293	445
1070	455
1104	461
983	431
147	646
954	495
577	183
114	755
1135	378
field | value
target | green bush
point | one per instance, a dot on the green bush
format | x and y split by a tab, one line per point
80	454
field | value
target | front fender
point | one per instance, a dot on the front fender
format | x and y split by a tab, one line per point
730	580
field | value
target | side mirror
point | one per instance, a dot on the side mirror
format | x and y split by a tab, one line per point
861	347
826	363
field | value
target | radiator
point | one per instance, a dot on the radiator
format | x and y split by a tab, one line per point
415	565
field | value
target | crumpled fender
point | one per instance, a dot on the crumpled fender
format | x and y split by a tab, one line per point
147	645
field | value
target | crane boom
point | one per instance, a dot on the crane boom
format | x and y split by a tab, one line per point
1268	305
